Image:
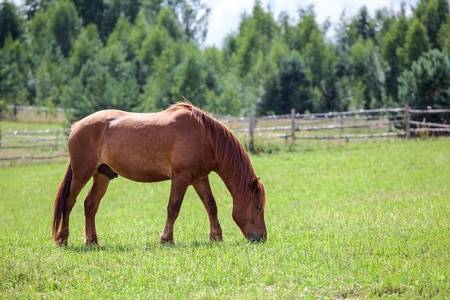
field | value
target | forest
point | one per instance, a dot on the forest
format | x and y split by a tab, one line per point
143	55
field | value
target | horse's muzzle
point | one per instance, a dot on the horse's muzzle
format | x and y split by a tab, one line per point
257	238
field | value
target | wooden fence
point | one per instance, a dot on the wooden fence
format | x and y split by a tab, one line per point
19	144
362	124
32	110
380	123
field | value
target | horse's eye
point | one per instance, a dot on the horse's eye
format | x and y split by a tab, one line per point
258	208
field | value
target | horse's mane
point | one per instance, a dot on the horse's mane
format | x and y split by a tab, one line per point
230	154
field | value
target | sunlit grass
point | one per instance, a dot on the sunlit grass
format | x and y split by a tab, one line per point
351	221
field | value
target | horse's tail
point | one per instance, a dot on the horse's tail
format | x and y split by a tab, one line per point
61	199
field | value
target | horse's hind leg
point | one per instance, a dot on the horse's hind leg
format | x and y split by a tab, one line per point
77	184
98	190
203	190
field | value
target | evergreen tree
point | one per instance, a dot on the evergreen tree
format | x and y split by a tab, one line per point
51	77
87	46
393	53
64	24
10	22
13	88
427	83
432	13
416	41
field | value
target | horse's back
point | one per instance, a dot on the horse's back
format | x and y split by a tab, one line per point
144	147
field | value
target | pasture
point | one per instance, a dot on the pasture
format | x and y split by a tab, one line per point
362	220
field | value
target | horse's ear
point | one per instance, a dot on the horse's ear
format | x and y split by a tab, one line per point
254	185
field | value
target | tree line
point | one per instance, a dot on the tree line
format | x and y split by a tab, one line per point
142	55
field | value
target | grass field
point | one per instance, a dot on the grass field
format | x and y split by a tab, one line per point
363	220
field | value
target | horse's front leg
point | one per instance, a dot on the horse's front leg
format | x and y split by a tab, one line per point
177	191
203	190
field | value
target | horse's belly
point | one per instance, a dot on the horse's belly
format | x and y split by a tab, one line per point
143	172
138	161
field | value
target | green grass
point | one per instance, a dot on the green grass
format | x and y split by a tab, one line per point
8	126
359	221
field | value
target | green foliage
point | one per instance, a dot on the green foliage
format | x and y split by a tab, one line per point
427	83
303	30
287	88
102	84
13	79
90	11
444	37
416	41
10	22
63	24
52	77
87	46
432	13
193	16
39	34
393	53
229	102
155	43
167	19
367	74
364	25
190	78
254	39
364	220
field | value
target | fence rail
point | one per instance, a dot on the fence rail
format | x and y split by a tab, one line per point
34	157
377	119
33	109
35	144
347	136
382	121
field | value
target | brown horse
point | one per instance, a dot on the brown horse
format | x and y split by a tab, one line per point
182	144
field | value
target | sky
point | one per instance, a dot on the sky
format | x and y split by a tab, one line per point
226	14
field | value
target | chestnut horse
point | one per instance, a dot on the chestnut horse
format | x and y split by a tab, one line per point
182	144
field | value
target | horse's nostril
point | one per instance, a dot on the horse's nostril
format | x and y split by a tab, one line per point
254	238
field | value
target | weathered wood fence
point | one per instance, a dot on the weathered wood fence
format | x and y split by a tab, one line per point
31	110
362	124
380	123
18	144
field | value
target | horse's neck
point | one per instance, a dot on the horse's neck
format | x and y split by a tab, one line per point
237	177
232	162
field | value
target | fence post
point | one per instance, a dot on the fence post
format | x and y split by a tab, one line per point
407	124
293	124
57	140
251	129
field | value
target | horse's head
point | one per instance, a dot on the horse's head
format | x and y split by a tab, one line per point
250	217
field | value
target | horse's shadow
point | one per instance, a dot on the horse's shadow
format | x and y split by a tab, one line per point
152	247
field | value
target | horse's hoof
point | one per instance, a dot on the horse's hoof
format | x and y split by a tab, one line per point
61	243
169	242
216	238
166	239
93	244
